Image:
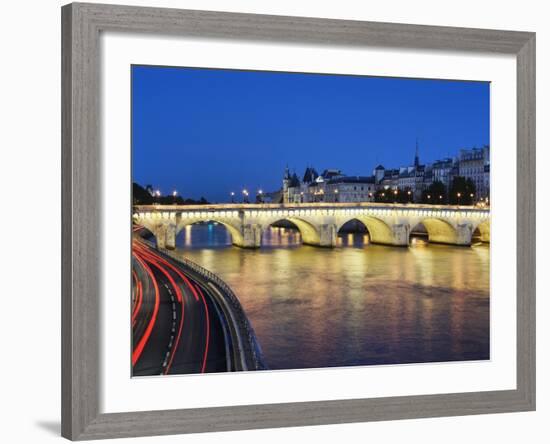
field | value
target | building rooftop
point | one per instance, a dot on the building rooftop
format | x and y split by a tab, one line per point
390	173
310	175
352	179
294	181
331	173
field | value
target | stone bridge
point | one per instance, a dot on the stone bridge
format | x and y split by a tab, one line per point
388	224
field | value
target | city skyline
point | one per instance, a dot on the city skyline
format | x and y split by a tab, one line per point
351	123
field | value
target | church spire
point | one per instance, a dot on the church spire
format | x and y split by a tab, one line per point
416	156
287	173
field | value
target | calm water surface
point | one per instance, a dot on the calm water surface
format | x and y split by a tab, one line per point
358	304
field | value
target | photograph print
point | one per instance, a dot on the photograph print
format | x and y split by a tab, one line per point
285	221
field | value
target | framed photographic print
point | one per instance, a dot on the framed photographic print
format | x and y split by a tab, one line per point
279	221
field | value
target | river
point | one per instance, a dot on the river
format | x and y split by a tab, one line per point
358	304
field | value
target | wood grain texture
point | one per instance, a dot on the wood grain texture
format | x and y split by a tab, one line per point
81	227
526	221
81	230
301	29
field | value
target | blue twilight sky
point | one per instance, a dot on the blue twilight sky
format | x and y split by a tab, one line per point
207	132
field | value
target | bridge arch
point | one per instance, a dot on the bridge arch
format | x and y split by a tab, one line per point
310	235
439	231
237	237
380	232
483	231
162	230
143	231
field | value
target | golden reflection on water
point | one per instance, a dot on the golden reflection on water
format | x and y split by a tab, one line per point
357	304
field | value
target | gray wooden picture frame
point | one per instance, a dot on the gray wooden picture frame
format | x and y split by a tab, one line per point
81	231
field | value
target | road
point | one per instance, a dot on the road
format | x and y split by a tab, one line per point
176	320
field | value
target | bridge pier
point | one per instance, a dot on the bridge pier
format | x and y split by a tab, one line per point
400	233
327	235
165	235
252	236
160	235
464	234
170	242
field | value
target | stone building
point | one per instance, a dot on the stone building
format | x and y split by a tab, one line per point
350	189
471	165
442	171
410	178
334	186
330	186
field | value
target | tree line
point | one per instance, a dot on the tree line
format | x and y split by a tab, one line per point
141	196
461	192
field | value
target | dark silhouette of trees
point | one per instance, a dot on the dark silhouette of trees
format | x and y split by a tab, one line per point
435	194
384	196
394	196
141	196
462	191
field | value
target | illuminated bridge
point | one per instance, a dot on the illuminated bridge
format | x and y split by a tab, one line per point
318	223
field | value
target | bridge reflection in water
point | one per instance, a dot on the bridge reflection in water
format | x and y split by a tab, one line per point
360	305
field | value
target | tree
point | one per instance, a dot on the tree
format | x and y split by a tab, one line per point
435	194
405	196
142	197
462	192
394	195
384	196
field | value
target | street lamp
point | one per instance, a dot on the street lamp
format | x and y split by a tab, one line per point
232	196
458	198
245	196
174	195
259	197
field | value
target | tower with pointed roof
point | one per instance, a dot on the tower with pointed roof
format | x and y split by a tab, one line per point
286	183
416	156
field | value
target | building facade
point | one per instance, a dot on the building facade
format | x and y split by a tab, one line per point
332	185
472	165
